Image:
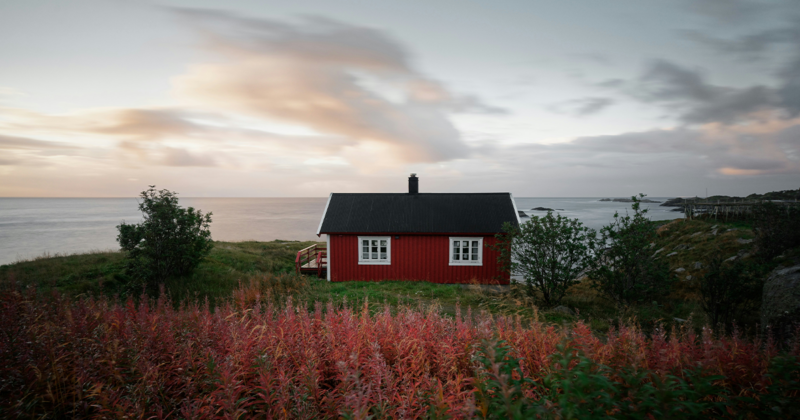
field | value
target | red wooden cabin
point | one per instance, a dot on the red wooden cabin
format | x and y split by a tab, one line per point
441	238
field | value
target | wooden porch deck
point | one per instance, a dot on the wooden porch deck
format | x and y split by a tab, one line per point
312	260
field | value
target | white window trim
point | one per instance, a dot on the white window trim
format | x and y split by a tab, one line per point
479	262
387	261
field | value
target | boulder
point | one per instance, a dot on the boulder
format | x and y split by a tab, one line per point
780	304
522	213
681	247
698	265
743	241
671	254
680	270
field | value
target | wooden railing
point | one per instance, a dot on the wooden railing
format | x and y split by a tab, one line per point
310	259
322	262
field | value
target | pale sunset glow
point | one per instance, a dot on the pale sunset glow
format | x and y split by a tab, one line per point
100	98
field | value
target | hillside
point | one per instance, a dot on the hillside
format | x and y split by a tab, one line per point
266	269
785	195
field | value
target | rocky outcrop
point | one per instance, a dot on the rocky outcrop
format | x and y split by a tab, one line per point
676	202
541	209
628	200
780	304
522	213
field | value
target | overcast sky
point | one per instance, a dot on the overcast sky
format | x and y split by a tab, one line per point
260	98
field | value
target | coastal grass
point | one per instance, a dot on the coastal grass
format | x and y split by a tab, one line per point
265	270
103	273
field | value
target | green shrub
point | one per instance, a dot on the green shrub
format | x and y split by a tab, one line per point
169	243
626	269
550	253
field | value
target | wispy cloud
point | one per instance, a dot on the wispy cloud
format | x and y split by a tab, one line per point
333	77
582	107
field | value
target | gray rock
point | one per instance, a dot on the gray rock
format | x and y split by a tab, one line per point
698	265
679	320
680	270
731	230
780	304
659	251
672	253
681	247
563	310
522	213
732	258
689	277
743	241
714	227
714	232
695	234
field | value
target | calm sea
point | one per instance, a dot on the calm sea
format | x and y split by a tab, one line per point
31	227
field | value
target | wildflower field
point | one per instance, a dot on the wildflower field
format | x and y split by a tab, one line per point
94	357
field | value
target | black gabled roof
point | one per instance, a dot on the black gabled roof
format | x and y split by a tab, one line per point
418	213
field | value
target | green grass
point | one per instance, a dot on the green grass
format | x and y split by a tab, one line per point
265	270
228	264
234	265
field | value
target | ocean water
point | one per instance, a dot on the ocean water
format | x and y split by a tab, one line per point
32	227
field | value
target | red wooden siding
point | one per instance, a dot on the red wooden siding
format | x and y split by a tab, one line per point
414	257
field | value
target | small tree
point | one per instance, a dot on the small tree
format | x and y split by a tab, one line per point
728	289
170	242
626	269
549	252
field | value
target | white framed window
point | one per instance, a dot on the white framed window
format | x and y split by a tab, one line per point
466	251
375	250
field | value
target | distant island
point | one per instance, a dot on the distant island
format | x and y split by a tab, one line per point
628	200
785	195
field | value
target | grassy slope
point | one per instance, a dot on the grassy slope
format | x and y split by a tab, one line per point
254	265
232	265
104	272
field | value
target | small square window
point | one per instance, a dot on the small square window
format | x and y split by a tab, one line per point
466	251
375	250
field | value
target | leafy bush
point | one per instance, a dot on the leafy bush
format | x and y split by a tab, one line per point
777	228
170	242
626	269
727	290
550	253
